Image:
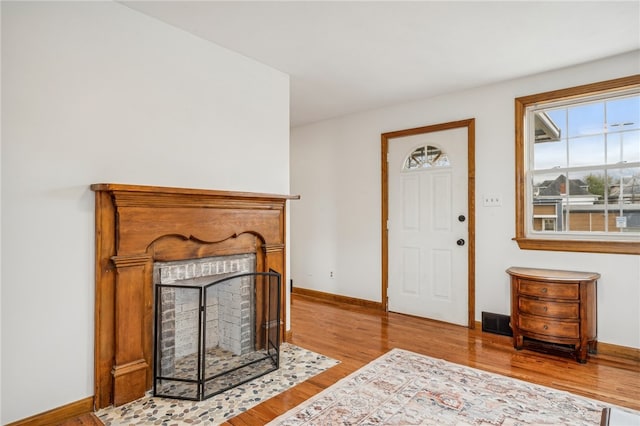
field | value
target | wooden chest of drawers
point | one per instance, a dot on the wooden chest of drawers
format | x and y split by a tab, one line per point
555	307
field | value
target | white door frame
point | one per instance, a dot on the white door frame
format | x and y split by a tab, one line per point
386	139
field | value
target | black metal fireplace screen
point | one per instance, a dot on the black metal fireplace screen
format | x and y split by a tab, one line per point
211	338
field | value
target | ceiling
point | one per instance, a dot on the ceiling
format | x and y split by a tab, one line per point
345	57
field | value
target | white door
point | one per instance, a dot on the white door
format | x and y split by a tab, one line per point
428	226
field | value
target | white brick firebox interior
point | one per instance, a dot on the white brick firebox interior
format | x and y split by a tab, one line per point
229	307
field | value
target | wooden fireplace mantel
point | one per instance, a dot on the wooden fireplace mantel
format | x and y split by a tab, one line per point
138	225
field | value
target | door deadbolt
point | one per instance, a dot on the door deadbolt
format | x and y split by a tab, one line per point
460	242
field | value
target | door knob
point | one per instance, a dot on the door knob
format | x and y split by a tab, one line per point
461	218
460	242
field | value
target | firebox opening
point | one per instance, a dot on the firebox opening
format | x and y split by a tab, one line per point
216	325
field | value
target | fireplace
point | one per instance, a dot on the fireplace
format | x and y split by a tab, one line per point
216	325
138	227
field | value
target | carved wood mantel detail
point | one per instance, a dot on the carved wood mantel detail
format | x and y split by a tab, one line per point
138	225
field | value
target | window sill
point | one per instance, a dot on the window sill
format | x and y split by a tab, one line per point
613	247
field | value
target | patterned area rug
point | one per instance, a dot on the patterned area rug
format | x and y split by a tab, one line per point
296	365
405	388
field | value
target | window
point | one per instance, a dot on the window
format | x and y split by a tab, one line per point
549	224
578	168
425	157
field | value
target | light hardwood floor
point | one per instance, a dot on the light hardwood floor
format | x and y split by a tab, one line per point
357	335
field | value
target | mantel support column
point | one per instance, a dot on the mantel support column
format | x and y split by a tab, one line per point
133	314
275	259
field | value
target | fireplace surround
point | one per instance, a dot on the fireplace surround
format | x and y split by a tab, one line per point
137	226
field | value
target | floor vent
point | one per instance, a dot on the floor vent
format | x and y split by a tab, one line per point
496	323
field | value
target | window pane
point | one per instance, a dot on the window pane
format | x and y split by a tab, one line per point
581	211
548	185
624	200
548	192
436	158
631	146
623	147
547	155
415	160
586	151
597	184
586	119
624	111
559	117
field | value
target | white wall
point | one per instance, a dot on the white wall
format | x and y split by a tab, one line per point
96	92
335	166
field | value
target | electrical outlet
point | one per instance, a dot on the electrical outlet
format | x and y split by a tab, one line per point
492	200
331	274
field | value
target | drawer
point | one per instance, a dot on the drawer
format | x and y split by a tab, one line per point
549	327
551	290
560	310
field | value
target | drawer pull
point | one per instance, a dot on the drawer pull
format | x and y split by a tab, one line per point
544	290
546	327
544	309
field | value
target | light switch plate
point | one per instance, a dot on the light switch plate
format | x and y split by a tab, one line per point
492	200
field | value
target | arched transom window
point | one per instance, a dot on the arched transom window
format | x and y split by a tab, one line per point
426	157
